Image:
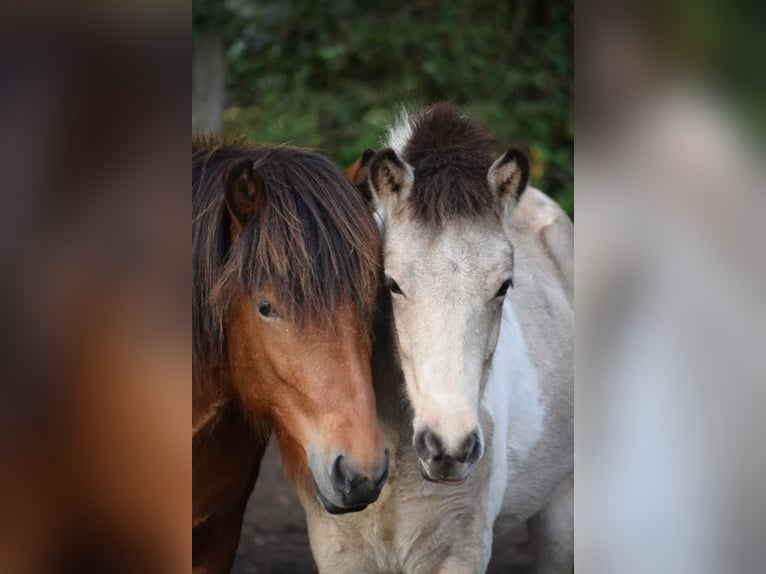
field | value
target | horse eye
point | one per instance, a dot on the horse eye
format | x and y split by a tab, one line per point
266	309
393	286
504	288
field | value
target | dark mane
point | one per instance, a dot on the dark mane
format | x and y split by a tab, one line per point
451	157
312	241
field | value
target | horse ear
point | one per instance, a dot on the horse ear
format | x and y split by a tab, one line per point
244	194
357	171
390	180
508	176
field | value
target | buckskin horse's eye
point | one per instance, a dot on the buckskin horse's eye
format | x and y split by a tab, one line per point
393	286
504	288
266	309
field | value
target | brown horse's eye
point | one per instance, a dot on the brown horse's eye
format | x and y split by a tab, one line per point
266	309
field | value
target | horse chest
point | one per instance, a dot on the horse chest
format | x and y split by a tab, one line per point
414	525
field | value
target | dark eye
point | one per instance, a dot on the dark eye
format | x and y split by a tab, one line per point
266	309
393	286
504	288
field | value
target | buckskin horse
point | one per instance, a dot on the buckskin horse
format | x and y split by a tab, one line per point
284	280
476	329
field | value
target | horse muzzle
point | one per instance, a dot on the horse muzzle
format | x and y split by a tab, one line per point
437	464
346	489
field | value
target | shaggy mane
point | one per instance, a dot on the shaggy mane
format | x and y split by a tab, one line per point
312	241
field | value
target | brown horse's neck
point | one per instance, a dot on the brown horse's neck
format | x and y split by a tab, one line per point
213	392
214	397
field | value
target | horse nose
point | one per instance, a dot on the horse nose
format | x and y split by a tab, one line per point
355	487
430	448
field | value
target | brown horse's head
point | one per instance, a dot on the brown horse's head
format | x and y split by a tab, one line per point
286	263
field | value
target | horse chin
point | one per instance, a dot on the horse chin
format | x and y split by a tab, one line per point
449	479
334	508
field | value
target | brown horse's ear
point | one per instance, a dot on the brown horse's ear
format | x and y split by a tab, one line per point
244	194
508	176
367	156
390	180
357	171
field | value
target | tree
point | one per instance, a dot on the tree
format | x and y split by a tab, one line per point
209	20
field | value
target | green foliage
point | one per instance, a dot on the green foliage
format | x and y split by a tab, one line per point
332	75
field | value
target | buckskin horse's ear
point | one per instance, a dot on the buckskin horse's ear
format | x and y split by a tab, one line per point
390	180
508	176
244	194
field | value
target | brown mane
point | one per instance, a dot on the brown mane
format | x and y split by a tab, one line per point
312	241
451	157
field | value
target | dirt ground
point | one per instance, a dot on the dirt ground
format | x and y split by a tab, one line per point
274	538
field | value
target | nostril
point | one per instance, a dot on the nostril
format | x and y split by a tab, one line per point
471	448
429	447
434	446
339	476
384	474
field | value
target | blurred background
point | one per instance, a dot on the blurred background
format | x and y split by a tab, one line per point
95	346
671	277
333	75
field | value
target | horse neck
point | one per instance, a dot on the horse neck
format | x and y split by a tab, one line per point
211	394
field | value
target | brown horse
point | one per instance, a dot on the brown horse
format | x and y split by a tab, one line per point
285	271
